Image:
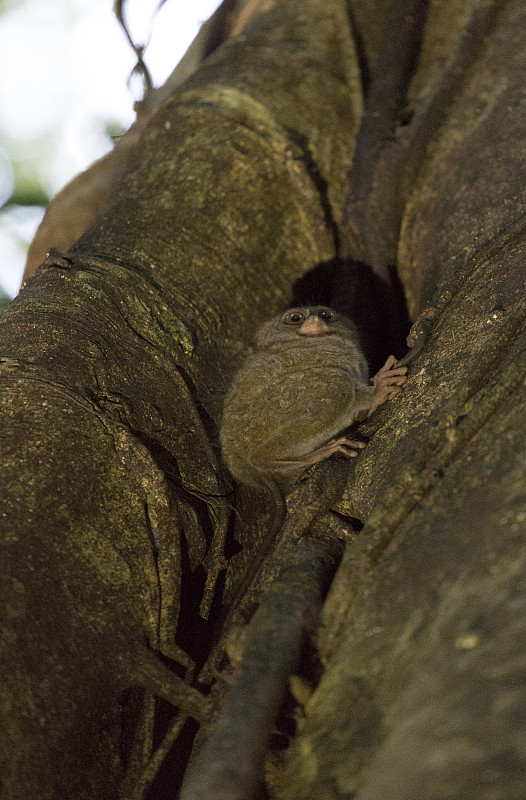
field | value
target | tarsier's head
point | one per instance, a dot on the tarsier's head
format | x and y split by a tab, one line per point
313	322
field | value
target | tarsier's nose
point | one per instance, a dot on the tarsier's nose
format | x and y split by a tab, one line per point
313	326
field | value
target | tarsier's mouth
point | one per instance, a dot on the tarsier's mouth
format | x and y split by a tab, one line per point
314	334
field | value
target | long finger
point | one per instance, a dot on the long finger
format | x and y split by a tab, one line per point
395	379
389	363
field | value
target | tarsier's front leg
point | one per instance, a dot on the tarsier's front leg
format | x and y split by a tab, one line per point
387	383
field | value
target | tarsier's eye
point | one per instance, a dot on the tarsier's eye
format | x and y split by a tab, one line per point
294	318
325	315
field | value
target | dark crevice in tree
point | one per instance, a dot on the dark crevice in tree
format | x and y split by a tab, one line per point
132	702
368	291
386	97
373	299
193	632
230	763
168	780
316	286
356	524
386	163
208	423
166	462
363	63
377	307
319	182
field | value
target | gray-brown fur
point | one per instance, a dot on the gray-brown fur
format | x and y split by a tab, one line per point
291	400
290	396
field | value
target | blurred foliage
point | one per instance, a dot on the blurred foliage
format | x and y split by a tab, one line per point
4	301
24	195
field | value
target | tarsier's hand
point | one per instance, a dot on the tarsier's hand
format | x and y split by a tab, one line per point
387	382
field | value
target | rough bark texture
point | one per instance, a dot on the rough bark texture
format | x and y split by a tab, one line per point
114	362
423	693
113	365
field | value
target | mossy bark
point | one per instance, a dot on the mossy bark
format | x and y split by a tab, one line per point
423	642
113	364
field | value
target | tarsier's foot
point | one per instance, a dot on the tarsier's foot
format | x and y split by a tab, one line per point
349	447
388	382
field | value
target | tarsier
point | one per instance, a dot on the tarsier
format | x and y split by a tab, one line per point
292	400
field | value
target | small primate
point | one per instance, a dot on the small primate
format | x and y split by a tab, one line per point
292	400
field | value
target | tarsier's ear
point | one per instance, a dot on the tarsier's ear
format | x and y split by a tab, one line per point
262	335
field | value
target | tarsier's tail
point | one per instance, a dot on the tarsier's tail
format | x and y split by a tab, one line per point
280	512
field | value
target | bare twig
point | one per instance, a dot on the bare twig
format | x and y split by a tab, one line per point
231	761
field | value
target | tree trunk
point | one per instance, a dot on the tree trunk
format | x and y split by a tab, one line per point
118	538
423	636
114	362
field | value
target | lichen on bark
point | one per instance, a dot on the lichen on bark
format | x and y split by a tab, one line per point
114	359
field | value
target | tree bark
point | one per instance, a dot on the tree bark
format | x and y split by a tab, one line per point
118	540
114	361
423	692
